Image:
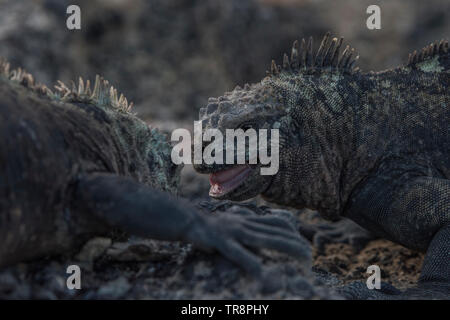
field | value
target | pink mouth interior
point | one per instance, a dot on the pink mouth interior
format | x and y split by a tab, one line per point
223	182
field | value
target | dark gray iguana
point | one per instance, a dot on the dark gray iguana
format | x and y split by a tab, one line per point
75	163
373	147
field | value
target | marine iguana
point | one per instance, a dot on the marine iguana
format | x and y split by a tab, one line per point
373	147
76	163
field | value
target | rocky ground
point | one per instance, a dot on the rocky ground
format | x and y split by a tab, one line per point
169	57
119	267
345	251
135	268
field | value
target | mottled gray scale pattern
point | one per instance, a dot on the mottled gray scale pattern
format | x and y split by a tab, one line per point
374	147
45	147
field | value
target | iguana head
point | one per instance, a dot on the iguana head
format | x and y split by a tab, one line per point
294	98
145	151
252	107
142	151
148	153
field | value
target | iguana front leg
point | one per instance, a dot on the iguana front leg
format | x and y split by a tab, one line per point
414	211
140	210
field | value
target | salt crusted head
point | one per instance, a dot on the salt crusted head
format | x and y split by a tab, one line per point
148	148
274	103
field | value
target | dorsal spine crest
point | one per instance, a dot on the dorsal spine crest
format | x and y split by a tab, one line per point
302	58
438	48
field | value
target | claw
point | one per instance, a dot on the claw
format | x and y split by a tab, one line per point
242	257
272	230
295	248
274	221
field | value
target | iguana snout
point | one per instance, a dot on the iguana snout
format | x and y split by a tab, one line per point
244	118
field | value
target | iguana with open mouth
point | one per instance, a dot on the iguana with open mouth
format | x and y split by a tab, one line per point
373	147
76	163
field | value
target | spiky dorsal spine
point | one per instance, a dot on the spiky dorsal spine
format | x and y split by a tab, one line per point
22	77
438	48
302	57
103	94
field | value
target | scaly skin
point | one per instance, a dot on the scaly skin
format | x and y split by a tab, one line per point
373	147
75	163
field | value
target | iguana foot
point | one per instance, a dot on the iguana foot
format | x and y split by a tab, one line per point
342	231
233	233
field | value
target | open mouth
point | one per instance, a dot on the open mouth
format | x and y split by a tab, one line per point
223	182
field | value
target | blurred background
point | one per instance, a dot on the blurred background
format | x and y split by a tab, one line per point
169	56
